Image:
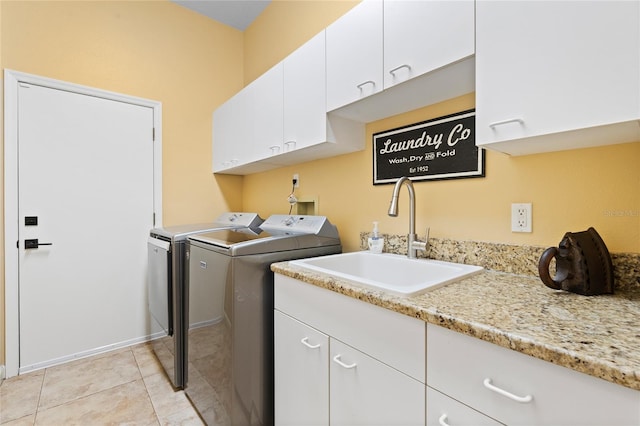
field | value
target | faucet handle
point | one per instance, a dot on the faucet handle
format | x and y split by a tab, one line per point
421	245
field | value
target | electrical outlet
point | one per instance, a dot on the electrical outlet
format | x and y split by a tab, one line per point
521	217
296	178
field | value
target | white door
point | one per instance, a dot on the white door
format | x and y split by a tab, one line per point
85	171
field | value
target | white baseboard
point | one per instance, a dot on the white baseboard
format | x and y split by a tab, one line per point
88	353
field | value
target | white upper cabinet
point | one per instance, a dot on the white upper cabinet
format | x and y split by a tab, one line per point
557	75
281	118
379	59
230	133
421	36
249	127
399	55
354	55
266	109
305	112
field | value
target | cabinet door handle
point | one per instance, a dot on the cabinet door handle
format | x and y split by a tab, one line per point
507	121
305	341
290	145
337	360
274	149
521	399
407	66
361	85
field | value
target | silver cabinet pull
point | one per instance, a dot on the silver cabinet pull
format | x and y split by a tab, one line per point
407	66
361	85
507	121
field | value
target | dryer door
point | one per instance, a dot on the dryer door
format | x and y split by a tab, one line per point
159	284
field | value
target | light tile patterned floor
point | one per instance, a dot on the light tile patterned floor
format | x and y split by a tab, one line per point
126	386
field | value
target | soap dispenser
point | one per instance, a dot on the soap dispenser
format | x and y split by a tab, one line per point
376	242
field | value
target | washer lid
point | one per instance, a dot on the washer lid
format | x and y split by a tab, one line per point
229	220
225	238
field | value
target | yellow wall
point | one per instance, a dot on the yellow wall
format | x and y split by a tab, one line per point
570	190
150	49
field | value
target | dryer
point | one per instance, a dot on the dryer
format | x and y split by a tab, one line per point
166	278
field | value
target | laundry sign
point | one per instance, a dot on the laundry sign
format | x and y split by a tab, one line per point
442	148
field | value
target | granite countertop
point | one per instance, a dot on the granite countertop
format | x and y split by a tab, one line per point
596	335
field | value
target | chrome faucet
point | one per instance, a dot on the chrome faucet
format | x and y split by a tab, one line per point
412	240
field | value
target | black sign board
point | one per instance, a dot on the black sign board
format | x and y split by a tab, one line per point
442	148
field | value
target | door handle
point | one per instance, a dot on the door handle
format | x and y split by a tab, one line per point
34	244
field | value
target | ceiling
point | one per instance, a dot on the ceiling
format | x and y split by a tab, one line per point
235	13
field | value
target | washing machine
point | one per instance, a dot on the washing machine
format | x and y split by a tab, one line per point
166	286
230	289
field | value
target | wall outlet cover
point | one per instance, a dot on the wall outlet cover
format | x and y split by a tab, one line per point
521	217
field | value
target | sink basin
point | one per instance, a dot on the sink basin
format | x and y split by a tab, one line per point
390	272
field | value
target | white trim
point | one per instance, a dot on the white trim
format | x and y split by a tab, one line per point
91	352
11	81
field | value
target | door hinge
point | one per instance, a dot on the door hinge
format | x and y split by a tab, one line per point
154	219
153	134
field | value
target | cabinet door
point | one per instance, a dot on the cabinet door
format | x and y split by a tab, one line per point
546	67
266	114
365	391
230	133
421	36
305	95
222	133
442	410
354	55
301	373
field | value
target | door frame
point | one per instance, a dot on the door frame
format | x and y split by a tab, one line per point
12	80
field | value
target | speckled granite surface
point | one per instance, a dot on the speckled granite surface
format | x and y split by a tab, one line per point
596	335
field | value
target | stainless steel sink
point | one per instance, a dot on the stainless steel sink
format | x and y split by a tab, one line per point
390	272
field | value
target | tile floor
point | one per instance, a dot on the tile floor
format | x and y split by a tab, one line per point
126	386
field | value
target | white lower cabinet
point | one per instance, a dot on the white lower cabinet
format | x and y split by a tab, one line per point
342	361
517	389
302	373
445	411
375	379
365	391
